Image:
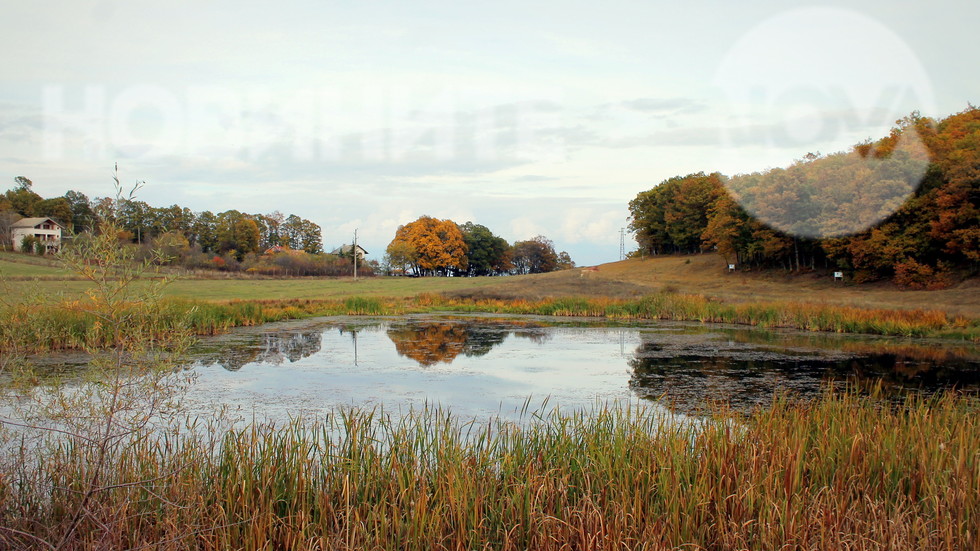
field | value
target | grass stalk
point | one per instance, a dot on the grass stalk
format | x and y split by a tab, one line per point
843	471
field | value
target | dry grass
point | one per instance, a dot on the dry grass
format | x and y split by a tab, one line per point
705	275
697	274
844	472
68	325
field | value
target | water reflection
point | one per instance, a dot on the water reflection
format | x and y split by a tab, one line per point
690	369
273	348
430	343
480	365
903	350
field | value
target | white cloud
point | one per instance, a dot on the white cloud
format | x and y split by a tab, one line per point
591	225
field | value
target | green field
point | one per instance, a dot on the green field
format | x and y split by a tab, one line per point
15	269
18	266
631	279
318	288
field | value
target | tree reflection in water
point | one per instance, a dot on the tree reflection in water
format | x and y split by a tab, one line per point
432	342
687	375
270	348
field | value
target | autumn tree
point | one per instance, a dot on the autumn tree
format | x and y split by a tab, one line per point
647	220
438	244
672	216
246	237
565	261
906	207
726	229
400	256
686	212
534	256
956	149
237	232
22	197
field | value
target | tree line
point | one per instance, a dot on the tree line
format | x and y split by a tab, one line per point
230	231
230	241
430	246
807	216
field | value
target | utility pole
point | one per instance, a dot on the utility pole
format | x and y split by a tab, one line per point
353	252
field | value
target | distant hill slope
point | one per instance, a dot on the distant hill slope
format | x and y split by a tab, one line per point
706	274
696	274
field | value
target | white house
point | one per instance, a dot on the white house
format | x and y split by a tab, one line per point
44	230
344	250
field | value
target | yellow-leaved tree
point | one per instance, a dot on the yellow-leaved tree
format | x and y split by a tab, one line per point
438	245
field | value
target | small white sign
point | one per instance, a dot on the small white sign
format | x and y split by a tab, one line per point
731	266
838	275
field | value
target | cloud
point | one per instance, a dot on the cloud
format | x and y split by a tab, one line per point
665	106
591	225
525	227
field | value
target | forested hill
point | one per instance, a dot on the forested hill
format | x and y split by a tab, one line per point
905	207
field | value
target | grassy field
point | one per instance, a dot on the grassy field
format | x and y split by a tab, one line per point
17	269
698	274
706	275
319	288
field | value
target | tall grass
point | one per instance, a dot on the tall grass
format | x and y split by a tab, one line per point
68	325
806	316
843	472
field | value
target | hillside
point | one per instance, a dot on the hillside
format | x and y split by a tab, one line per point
705	274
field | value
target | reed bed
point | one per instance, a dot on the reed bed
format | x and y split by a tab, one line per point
842	472
68	325
805	316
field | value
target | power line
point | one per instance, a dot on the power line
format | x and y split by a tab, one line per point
353	251
622	243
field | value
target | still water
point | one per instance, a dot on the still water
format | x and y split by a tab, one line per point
481	365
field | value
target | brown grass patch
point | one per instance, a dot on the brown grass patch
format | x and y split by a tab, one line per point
706	275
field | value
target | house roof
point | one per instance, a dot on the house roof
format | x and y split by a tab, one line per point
345	249
32	222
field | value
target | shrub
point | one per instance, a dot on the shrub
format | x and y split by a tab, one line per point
27	244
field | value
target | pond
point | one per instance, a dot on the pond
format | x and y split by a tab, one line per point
483	365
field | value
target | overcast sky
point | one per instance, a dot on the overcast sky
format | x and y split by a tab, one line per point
528	117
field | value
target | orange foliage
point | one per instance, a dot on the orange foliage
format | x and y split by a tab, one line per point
438	244
430	343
